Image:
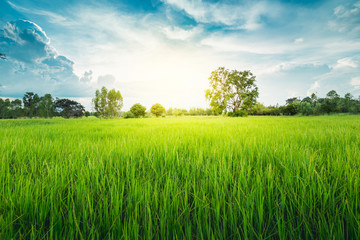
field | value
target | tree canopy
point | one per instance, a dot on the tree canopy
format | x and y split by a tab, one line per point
231	90
108	103
31	101
157	109
68	108
138	110
34	106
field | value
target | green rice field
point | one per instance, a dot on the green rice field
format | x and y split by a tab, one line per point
180	178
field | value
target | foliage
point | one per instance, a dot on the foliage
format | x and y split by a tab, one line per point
305	108
35	106
31	104
238	113
180	178
138	110
157	110
47	106
231	90
260	109
68	108
108	103
128	114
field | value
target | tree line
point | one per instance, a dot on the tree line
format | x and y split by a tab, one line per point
312	105
235	93
32	105
232	93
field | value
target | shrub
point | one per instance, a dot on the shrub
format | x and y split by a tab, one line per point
129	115
238	113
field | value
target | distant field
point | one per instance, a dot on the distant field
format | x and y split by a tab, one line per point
176	178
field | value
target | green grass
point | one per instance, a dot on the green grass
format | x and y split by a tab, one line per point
181	178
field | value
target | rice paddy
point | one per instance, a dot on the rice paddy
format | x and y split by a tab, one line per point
180	178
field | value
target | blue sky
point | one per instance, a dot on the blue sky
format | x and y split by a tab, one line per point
164	50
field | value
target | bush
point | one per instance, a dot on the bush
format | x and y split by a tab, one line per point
241	113
238	113
129	115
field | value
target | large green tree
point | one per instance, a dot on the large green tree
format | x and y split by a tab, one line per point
47	106
31	104
138	110
17	111
108	103
157	109
69	108
231	90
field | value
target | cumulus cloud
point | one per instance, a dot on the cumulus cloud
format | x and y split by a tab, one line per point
34	65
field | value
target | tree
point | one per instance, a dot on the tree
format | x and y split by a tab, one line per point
307	99
347	102
231	90
314	98
46	106
68	108
332	95
17	111
291	100
31	102
290	109
331	102
5	108
107	103
100	101
114	103
157	109
138	110
305	108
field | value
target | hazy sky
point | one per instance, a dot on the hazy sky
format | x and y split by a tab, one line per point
164	50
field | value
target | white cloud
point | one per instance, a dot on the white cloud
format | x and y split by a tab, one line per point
313	88
355	82
243	16
53	17
347	18
177	33
236	43
345	63
34	65
299	40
